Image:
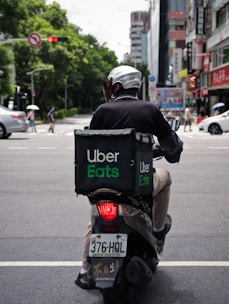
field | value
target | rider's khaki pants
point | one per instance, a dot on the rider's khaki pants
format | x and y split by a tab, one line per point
161	195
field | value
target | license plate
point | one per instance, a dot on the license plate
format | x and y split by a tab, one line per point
108	245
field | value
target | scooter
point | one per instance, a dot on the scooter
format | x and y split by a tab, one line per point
123	252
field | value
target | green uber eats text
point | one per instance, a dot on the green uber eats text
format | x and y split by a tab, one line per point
95	157
144	178
101	172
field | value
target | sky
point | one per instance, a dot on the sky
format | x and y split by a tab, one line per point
108	21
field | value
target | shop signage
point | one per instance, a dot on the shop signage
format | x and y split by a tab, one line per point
189	58
220	77
209	79
206	63
171	97
200	21
204	92
177	63
192	82
197	50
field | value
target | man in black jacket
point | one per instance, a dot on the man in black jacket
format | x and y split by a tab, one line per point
124	110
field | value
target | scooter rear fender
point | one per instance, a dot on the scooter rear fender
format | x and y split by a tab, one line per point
105	271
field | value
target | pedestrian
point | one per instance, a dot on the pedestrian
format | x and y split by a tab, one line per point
187	118
124	110
51	117
31	118
170	115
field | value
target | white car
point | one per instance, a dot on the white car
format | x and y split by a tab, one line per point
11	121
215	124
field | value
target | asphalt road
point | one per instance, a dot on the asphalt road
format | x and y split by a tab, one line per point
42	222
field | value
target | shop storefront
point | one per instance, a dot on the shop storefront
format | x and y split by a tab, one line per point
218	85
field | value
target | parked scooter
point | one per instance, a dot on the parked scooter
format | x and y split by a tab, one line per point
114	169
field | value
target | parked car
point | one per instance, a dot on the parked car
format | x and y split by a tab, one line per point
11	121
215	124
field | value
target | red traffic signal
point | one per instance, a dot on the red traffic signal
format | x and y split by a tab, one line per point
55	39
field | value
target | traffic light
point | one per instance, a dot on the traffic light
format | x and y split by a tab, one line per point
55	39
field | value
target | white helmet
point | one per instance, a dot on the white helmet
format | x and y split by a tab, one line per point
127	76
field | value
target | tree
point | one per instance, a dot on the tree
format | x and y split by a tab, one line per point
81	61
18	12
5	60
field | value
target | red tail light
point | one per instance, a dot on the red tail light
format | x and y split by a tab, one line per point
107	210
17	116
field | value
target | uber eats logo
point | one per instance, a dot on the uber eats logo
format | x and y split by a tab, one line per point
98	166
144	178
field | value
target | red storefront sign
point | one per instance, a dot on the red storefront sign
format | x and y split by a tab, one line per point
206	63
192	82
204	92
220	77
197	50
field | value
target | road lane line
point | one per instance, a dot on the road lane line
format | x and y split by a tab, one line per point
46	148
79	264
219	147
17	148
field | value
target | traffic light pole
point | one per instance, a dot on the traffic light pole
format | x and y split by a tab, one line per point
66	94
32	82
11	40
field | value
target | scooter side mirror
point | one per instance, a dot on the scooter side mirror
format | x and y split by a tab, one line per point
174	124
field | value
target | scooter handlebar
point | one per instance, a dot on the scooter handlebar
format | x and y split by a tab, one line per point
157	151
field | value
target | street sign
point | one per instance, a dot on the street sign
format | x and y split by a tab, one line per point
152	78
34	39
152	88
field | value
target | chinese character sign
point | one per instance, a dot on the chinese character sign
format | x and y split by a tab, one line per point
177	64
171	97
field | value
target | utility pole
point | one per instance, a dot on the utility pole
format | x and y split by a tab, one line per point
32	81
66	94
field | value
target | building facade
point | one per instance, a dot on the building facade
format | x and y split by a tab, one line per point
166	39
207	45
138	37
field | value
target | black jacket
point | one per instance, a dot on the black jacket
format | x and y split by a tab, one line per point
144	117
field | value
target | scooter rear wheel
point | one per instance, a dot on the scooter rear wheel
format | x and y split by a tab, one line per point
115	295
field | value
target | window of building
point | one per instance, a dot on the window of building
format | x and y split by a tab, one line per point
221	17
226	55
177	5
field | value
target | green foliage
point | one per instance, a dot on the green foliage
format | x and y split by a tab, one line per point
81	62
5	59
60	114
18	12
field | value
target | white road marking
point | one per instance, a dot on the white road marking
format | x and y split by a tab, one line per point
46	148
219	147
17	148
79	263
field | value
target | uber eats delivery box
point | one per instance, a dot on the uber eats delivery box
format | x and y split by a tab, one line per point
117	159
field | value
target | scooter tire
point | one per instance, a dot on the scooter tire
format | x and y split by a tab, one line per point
115	295
153	262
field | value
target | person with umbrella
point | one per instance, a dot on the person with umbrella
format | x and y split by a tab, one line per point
31	117
218	108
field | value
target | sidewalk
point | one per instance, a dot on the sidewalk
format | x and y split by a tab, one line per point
76	119
194	128
84	119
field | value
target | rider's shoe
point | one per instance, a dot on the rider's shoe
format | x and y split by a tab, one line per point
83	281
160	236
